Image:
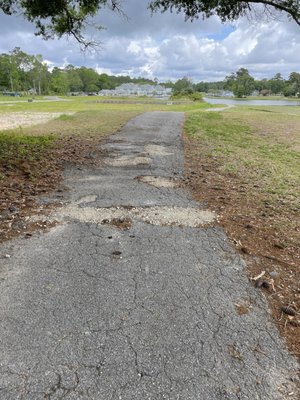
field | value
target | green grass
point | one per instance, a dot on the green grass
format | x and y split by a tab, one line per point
89	120
19	148
91	123
66	118
89	116
10	99
263	155
74	104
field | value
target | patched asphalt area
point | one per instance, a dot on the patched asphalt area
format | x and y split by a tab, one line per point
129	298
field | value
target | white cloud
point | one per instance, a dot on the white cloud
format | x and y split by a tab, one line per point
100	70
134	47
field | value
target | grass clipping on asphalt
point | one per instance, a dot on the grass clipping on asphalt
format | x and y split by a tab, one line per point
245	163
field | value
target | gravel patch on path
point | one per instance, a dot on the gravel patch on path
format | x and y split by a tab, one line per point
164	216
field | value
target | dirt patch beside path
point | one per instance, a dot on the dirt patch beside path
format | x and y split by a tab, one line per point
268	251
22	185
19	119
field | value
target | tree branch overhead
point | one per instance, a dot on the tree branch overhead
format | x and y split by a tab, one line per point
57	18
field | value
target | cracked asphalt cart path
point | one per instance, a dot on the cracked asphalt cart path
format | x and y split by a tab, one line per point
135	294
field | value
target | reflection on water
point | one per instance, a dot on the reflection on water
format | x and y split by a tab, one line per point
252	102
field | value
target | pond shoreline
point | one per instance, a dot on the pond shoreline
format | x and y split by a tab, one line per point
245	102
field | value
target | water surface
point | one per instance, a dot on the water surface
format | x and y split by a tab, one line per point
251	102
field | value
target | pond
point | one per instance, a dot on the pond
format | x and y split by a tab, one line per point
251	102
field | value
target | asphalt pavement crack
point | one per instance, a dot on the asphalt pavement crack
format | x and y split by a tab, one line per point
99	309
61	389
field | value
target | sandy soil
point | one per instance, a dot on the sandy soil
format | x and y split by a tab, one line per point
20	119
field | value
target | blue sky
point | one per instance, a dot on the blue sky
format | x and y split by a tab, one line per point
165	46
226	30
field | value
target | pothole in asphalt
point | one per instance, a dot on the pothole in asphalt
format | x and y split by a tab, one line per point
163	216
157	150
116	253
157	181
86	199
121	223
126	160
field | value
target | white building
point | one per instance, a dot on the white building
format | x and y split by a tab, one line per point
132	89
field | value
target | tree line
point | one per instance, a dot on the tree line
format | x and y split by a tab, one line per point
25	73
242	84
21	72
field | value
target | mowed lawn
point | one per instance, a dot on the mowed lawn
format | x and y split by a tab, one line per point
260	145
82	118
257	144
244	162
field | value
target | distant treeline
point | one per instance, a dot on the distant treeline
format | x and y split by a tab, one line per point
242	84
25	73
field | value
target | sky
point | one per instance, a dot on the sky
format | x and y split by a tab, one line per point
166	47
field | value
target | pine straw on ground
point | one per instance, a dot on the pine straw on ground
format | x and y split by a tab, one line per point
259	231
24	183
